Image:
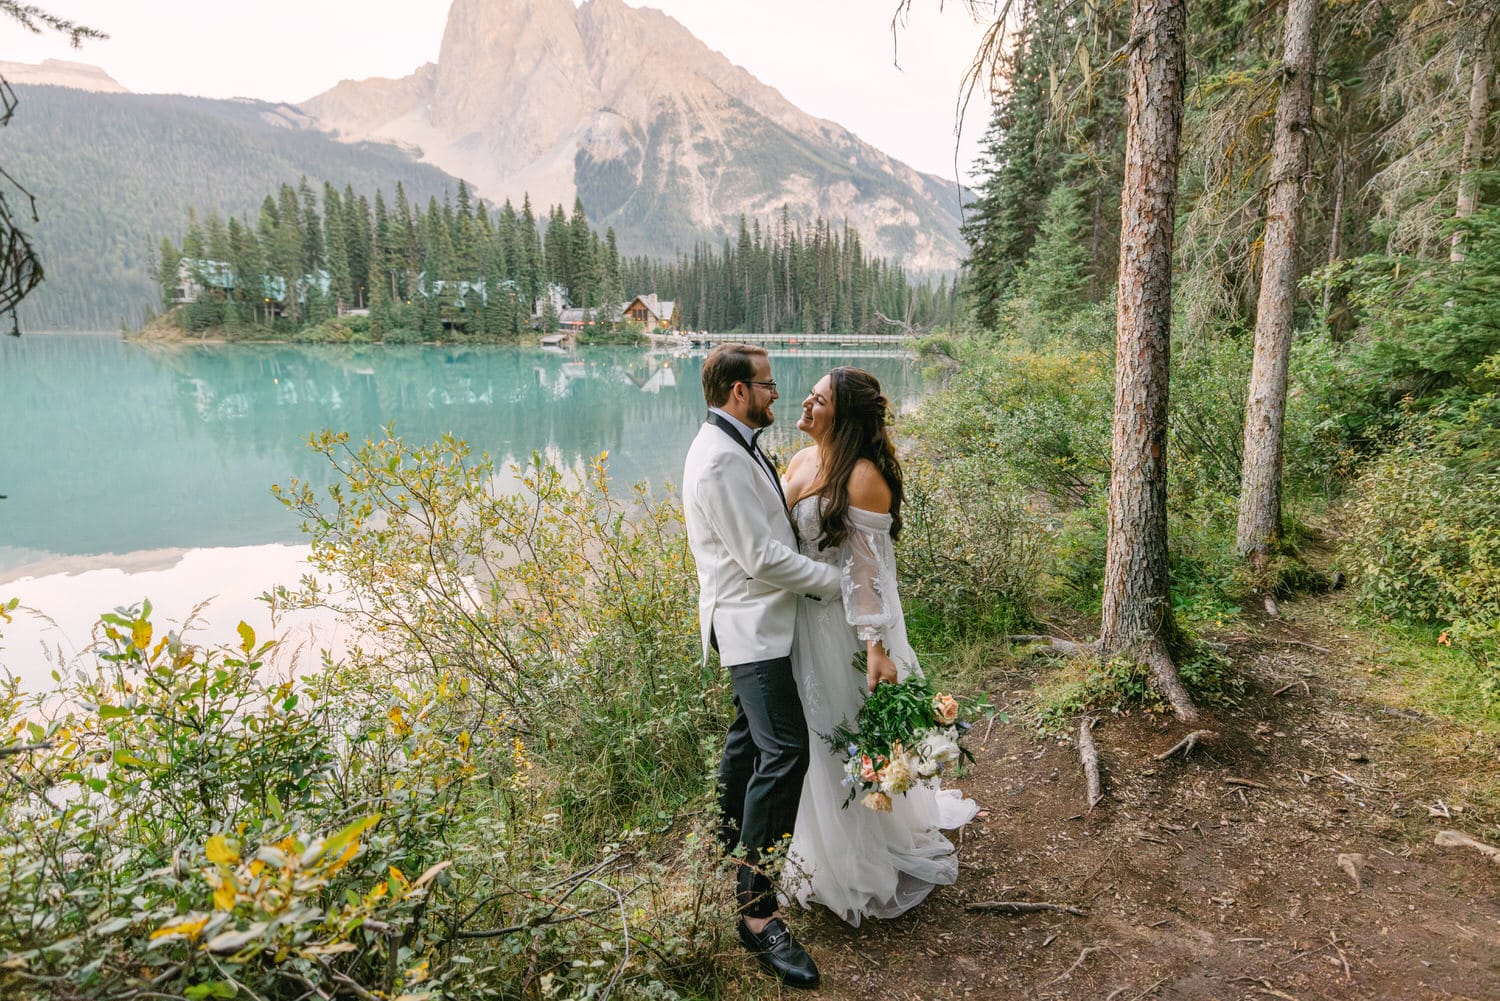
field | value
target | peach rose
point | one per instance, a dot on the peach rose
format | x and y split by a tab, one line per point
877	801
946	708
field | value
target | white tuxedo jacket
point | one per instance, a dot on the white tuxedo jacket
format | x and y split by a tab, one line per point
749	571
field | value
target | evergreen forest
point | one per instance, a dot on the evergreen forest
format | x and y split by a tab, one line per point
112	173
459	270
1207	500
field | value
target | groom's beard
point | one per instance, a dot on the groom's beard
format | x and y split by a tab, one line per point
759	417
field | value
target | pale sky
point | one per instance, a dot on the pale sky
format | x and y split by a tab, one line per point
832	58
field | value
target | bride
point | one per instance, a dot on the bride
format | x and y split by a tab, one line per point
845	495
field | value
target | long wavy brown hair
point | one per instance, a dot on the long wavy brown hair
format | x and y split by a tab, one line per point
860	431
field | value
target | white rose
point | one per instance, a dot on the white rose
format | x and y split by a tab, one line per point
938	748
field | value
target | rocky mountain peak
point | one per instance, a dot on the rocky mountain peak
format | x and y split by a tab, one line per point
663	138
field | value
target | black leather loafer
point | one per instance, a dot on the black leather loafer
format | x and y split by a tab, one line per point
780	954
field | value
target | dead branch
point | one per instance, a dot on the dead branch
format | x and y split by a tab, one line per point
1458	839
1089	754
1065	648
1186	744
1286	688
1021	907
1247	783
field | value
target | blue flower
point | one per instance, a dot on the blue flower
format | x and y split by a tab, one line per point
853	750
848	781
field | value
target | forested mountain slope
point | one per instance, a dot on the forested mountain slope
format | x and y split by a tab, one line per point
113	173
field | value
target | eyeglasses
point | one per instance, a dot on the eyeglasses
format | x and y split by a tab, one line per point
768	383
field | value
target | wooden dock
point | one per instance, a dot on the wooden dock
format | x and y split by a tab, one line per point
801	340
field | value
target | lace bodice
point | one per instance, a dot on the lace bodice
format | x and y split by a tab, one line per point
867	562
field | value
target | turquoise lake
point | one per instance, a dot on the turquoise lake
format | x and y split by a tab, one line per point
137	471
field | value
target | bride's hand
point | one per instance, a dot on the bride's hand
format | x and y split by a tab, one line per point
879	666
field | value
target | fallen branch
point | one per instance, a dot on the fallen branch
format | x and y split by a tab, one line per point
1089	754
1286	688
1458	839
1186	744
1248	783
1065	648
1021	907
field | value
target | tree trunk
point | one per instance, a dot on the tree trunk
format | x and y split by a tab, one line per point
1336	226
1137	615
1473	148
1265	409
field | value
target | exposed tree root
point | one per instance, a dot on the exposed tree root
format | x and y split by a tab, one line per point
1186	744
1164	677
1089	755
1458	839
1088	951
1150	651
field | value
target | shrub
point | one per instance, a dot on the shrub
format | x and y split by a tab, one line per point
1043	415
570	608
1424	544
971	550
503	792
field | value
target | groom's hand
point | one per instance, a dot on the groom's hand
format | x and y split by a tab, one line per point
879	667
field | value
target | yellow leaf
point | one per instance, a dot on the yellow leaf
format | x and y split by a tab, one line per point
220	851
187	926
247	637
225	895
140	634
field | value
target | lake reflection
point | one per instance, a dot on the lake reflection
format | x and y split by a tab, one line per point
154	451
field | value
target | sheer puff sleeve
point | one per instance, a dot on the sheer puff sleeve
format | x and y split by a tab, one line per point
868	571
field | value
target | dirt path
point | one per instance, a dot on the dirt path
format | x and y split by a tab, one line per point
1196	887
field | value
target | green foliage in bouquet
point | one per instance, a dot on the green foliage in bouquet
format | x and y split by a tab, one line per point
905	732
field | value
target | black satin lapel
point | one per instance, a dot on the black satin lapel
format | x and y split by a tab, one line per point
766	466
719	422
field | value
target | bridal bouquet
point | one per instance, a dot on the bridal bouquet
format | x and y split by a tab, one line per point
904	733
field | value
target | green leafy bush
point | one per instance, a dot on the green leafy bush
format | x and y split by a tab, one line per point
1424	544
503	791
1042	415
971	550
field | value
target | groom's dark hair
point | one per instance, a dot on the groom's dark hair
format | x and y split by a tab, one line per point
726	365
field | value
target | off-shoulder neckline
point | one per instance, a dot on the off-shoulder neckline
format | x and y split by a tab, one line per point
861	510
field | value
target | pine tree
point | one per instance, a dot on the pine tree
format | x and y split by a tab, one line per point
1017	171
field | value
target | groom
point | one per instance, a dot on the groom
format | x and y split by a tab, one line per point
749	577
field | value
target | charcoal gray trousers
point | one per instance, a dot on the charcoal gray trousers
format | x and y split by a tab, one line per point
760	775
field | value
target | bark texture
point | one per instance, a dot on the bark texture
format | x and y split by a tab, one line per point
1137	615
1265	410
1472	154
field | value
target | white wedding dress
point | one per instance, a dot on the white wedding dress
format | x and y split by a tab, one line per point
855	861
